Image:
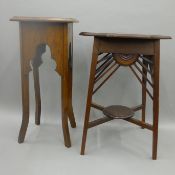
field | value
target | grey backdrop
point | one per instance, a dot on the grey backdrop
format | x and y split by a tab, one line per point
113	148
124	16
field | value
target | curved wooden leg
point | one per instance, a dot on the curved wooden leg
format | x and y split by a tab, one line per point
64	106
89	97
71	116
25	106
70	110
69	65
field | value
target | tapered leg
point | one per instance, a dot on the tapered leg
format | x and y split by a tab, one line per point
71	117
144	91
156	98
64	106
25	105
89	97
37	95
70	110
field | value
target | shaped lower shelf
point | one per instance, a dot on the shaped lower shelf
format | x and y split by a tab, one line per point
118	112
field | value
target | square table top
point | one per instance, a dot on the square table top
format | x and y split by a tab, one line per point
43	19
124	36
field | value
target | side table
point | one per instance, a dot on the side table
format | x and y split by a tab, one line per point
139	53
35	34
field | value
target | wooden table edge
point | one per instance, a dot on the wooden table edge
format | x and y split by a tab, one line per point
43	19
124	36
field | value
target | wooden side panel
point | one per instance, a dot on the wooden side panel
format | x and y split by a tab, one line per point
34	34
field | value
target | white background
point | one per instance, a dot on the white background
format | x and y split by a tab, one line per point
113	148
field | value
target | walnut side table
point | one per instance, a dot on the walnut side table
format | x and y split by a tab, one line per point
139	53
57	33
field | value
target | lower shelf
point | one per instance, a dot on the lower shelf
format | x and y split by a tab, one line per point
118	112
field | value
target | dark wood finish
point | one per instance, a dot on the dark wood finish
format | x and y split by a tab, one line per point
137	108
104	57
118	112
102	67
126	60
97	106
143	73
140	123
103	73
90	93
36	62
144	83
103	82
99	121
106	119
43	19
126	46
145	67
156	60
57	33
127	36
147	47
144	86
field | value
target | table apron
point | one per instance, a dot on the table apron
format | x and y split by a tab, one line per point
126	46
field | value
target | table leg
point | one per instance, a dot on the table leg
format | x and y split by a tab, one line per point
144	92
89	97
70	110
37	95
36	62
64	106
25	101
156	98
